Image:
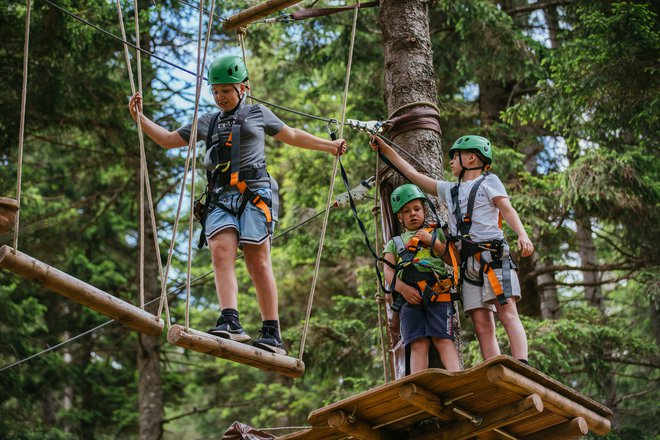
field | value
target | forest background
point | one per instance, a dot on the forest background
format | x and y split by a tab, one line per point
566	90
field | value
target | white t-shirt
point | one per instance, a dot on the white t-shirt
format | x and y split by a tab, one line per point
485	214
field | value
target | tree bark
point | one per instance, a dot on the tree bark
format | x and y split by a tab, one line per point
150	393
587	249
409	78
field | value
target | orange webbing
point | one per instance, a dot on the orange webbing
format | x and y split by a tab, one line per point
492	278
453	254
257	201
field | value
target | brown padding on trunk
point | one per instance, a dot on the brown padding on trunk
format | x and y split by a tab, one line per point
420	118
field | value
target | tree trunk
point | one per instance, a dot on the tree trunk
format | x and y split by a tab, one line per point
150	393
549	298
409	78
587	250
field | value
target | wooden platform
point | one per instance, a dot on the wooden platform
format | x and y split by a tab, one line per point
235	351
498	399
8	209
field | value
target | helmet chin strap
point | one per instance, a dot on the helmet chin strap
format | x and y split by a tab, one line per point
240	97
464	168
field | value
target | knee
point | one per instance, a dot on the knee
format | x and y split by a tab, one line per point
508	314
257	262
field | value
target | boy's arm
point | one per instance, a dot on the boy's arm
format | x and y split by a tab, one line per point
427	184
163	137
302	139
439	248
512	219
409	293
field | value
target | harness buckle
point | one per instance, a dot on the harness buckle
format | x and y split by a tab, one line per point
413	245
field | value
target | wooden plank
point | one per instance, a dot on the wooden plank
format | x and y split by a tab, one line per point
527	407
425	400
8	209
81	292
235	351
256	12
554	401
354	427
570	430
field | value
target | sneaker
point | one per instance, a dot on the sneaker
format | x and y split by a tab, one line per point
269	341
229	329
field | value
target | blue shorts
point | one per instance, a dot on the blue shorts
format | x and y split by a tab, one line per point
252	226
431	321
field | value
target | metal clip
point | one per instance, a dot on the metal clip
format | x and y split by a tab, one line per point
333	127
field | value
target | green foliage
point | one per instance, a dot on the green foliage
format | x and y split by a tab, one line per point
576	141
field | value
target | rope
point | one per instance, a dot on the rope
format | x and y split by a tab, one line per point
21	129
331	189
143	161
144	173
240	32
201	61
379	296
414	104
176	66
141	197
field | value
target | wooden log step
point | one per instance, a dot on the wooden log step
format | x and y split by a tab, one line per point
8	209
256	12
516	382
527	407
79	291
570	430
425	400
235	351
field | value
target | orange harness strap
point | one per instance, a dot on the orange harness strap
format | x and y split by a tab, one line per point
492	277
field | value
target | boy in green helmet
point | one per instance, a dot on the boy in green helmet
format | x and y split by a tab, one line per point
241	203
426	311
475	203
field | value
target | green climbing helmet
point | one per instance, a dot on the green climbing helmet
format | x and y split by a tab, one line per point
473	142
229	69
405	193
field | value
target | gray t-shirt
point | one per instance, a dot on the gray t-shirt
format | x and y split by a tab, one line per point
485	214
259	122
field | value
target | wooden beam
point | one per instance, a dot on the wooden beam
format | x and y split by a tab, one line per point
8	209
497	418
518	383
79	291
235	351
570	430
425	400
256	12
357	428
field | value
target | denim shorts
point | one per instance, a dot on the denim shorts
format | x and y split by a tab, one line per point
252	226
432	321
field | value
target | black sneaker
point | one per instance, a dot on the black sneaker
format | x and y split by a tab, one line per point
269	341
229	329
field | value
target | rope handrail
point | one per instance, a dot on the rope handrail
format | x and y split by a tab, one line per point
21	128
144	172
331	189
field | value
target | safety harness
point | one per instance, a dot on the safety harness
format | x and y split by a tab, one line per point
432	286
224	150
498	248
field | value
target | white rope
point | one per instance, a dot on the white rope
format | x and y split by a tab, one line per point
144	172
331	189
21	129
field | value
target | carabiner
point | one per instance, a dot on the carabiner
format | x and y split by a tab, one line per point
333	127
